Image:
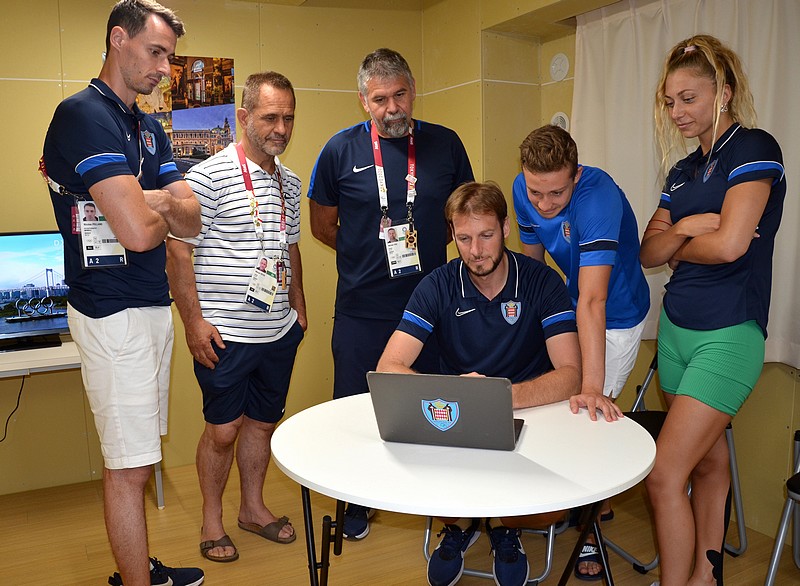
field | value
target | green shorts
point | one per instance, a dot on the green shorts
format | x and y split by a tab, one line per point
717	367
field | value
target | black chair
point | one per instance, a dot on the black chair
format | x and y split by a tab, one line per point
790	513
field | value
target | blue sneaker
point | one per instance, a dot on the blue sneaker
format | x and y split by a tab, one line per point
356	522
447	561
510	567
161	575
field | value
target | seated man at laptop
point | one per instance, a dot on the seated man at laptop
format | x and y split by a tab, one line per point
494	313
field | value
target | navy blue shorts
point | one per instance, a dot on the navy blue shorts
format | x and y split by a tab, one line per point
357	345
249	379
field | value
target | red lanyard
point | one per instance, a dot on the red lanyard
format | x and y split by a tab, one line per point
248	184
411	178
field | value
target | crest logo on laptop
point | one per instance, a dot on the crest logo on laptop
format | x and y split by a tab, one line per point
440	413
511	311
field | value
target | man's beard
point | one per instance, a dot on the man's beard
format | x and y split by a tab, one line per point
486	270
395	125
262	144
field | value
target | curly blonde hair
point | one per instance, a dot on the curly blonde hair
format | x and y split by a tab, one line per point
710	58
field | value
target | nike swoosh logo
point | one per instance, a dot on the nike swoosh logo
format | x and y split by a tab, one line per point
459	313
674	187
359	169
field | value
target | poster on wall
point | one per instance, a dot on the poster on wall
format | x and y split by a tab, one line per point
196	107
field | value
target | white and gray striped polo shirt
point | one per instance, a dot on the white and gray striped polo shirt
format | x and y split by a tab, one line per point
227	248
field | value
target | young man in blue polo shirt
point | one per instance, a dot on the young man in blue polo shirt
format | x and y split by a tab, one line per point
523	307
584	221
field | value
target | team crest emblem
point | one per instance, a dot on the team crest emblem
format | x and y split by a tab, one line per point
149	140
511	311
709	170
440	413
565	230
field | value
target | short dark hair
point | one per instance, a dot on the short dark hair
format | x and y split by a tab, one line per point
252	87
383	64
548	149
132	16
476	198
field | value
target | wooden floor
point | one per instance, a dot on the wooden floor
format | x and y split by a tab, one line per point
56	536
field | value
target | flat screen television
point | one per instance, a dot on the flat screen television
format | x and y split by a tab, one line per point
33	294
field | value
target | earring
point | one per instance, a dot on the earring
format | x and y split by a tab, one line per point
724	108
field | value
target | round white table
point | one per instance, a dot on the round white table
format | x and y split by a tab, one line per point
334	449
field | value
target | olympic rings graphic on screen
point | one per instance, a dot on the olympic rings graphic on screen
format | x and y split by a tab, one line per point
32	307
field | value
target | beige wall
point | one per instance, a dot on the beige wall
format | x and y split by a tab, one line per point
51	437
482	68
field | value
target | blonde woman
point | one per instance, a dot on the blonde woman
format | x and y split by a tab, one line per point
715	227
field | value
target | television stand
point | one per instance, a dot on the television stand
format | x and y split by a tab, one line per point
30	342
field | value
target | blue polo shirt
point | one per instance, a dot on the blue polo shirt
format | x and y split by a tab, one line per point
597	227
344	176
94	136
504	336
709	297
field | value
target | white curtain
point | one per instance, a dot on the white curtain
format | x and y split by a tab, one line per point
619	54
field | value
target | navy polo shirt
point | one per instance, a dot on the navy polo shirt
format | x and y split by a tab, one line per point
94	136
344	176
708	297
504	336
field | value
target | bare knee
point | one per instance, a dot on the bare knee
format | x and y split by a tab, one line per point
223	436
663	481
715	464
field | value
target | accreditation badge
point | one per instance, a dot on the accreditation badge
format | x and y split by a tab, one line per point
100	248
263	285
402	250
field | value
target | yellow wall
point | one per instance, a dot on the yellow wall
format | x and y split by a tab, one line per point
51	438
482	68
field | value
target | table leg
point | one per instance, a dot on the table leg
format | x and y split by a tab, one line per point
598	538
338	536
318	571
331	539
594	525
309	526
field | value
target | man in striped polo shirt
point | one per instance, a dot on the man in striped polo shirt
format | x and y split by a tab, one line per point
242	304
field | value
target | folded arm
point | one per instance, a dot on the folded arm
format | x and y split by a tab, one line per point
741	211
178	206
135	224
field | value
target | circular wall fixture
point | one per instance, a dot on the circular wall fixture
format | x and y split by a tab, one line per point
559	67
561	120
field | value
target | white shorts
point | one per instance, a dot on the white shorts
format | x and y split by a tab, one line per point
622	346
125	361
